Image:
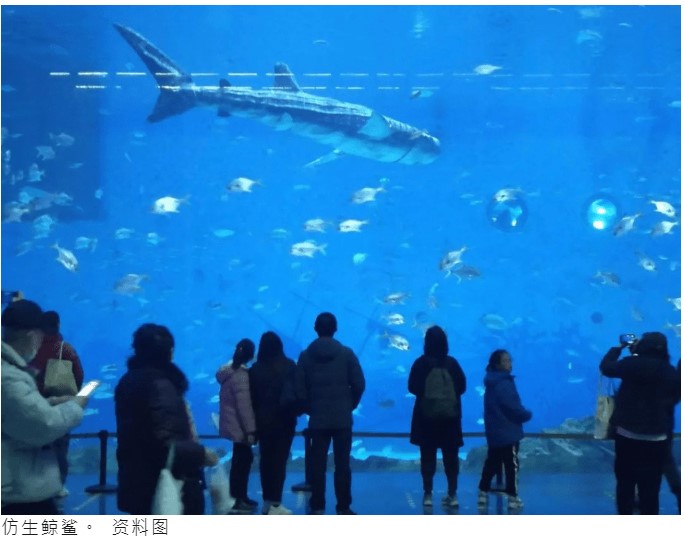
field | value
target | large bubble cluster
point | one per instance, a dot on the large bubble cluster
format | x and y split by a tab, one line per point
601	212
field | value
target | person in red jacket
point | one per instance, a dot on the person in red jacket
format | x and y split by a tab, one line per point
53	345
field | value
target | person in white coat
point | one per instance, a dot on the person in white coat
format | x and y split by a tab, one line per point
30	422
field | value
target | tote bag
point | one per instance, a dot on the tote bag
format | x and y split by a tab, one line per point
59	376
168	498
605	406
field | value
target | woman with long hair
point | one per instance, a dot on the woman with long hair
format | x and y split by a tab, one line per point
237	423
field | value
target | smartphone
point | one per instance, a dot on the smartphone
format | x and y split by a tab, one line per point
628	338
88	388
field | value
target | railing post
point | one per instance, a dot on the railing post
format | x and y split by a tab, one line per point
102	487
306	485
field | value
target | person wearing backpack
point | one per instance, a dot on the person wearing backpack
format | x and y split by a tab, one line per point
504	416
437	381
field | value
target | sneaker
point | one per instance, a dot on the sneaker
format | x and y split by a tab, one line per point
63	493
450	501
515	503
427	499
345	512
241	507
274	510
482	498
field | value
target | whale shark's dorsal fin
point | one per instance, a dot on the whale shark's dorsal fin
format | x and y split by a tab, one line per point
283	78
224	83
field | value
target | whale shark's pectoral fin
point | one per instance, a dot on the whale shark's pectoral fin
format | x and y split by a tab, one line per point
333	155
376	127
283	78
222	112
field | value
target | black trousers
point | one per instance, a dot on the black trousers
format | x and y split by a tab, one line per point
274	451
671	474
639	465
239	470
507	456
428	467
46	507
61	448
320	443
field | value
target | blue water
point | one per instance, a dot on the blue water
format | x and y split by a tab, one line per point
581	101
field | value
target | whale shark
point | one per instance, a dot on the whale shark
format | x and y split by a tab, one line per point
351	129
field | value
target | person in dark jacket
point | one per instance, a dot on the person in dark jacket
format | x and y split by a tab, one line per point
271	381
151	414
504	416
431	433
330	383
642	418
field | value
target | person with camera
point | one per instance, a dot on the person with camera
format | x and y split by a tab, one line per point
642	417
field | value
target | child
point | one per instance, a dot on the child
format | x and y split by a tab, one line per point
503	416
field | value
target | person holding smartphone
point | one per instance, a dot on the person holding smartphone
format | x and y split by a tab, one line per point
642	418
30	422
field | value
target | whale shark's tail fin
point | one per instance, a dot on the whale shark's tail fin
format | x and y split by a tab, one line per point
170	78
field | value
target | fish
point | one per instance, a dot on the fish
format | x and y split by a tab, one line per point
464	271
168	205
494	322
66	258
397	341
242	185
451	259
507	194
645	262
62	140
625	225
607	278
123	233
366	195
676	303
395	298
394	319
316	225
130	284
351	226
664	208
351	129
486	68
45	152
153	238
307	248
663	227
35	174
13	211
359	258
83	242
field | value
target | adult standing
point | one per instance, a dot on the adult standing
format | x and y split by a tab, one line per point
55	347
330	383
271	381
30	422
151	416
437	380
642	418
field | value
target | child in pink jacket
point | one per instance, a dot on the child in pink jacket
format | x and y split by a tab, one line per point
237	423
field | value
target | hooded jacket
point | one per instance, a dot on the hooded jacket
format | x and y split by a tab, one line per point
329	382
504	414
30	472
236	415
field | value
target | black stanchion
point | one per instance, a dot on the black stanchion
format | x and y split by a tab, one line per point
102	487
306	485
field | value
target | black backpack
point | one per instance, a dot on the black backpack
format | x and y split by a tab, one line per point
439	397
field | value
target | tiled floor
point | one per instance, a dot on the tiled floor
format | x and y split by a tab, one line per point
400	493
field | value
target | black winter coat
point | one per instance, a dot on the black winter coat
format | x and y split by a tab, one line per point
425	432
271	385
150	414
329	383
649	390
